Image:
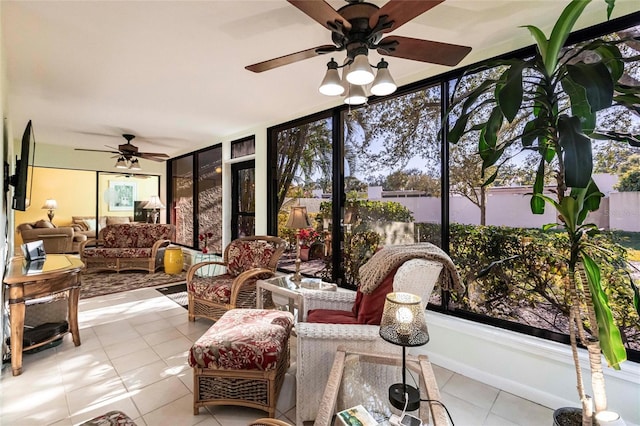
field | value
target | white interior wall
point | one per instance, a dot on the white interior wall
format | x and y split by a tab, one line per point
536	369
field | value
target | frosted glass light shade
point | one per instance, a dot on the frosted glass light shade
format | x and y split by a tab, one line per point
360	71
331	84
383	84
356	95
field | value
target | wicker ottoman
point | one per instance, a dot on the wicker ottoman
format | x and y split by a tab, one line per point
242	360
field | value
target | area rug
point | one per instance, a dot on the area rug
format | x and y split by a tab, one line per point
101	283
177	293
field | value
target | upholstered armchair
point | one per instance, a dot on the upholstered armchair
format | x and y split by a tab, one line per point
246	260
352	319
55	239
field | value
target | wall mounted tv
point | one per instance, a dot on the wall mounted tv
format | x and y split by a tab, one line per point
22	180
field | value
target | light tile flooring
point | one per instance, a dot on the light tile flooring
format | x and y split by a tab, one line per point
133	359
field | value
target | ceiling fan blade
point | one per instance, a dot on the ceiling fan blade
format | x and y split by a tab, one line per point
321	12
151	154
291	58
152	158
97	150
400	12
423	50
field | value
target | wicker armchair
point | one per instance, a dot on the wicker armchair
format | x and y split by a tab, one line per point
317	342
246	260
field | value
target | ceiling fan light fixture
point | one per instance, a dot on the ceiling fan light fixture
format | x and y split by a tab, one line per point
135	165
121	163
356	95
360	71
331	83
383	84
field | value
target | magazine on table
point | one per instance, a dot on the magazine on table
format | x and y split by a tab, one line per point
356	416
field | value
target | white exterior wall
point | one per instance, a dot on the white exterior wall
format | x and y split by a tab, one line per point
624	211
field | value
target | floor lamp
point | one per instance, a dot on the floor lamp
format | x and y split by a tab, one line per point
403	323
297	220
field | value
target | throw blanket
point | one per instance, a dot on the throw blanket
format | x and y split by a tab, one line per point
390	257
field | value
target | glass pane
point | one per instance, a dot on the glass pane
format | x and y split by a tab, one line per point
182	204
243	147
210	197
246	191
392	167
304	179
246	226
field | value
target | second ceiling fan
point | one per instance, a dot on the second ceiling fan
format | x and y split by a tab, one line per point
359	27
128	154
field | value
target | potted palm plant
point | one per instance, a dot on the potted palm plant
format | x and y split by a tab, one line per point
557	95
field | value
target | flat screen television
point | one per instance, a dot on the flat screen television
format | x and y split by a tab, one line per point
22	181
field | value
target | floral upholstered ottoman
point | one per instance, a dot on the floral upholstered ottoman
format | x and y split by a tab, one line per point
242	360
112	418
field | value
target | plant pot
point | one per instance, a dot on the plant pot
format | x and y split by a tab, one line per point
567	416
304	253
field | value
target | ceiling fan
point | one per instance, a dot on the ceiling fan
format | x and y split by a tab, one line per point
128	154
359	27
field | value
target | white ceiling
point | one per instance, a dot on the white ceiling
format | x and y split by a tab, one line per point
172	72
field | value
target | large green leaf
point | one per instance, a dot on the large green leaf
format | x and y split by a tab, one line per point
580	106
577	155
561	31
611	59
597	82
509	94
537	203
608	333
540	38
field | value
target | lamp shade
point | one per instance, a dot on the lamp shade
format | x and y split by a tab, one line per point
135	165
383	84
331	84
50	204
121	163
360	71
154	203
403	321
356	95
298	218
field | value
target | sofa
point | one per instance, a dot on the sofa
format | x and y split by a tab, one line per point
127	246
87	225
62	239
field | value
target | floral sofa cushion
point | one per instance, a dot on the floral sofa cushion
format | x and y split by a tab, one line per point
121	252
243	339
135	235
216	290
245	255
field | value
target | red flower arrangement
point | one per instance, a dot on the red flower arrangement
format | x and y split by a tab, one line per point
308	236
204	241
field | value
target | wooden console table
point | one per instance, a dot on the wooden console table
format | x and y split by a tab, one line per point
59	273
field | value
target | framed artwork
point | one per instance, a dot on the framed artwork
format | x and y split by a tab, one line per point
122	195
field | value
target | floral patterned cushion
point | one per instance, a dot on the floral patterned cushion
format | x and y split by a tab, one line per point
245	255
118	252
135	235
216	289
112	418
244	339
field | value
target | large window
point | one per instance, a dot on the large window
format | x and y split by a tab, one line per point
390	185
195	197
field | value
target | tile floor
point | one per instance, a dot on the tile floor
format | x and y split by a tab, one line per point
133	359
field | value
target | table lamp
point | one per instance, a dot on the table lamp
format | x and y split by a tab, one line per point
154	204
403	323
298	219
50	204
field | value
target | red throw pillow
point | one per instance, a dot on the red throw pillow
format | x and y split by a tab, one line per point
370	306
331	316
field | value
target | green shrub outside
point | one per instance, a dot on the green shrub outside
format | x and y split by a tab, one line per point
530	288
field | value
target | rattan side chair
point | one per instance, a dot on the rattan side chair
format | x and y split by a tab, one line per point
246	260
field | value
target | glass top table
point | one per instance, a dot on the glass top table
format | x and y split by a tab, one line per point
291	291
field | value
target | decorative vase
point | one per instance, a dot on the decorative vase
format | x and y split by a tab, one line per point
304	253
